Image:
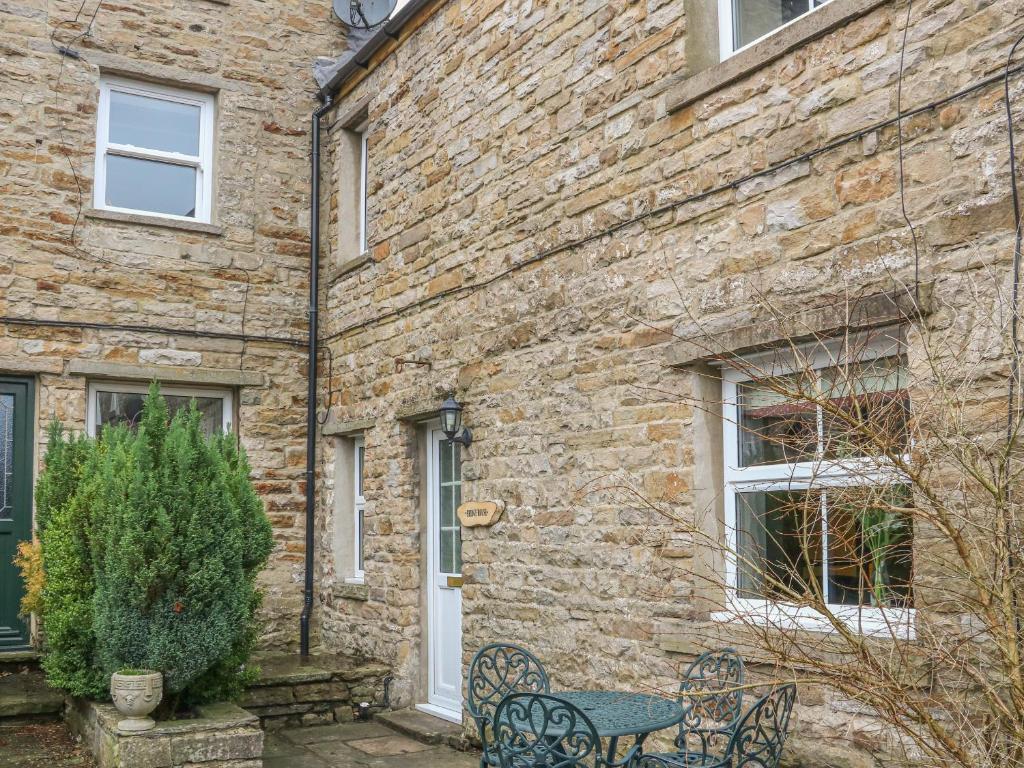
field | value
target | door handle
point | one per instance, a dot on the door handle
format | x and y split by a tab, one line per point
454	582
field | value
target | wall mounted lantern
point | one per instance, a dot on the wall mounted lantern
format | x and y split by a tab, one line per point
451	423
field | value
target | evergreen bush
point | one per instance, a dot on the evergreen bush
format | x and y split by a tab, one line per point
167	536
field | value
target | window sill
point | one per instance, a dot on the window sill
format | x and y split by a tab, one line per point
154	221
352	589
350	265
877	623
759	55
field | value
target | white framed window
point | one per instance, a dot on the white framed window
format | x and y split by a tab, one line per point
363	187
121	403
742	23
358	508
154	150
809	504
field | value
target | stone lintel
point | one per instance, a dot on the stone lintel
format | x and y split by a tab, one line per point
778	44
336	428
31	365
419	410
154	221
113	64
694	344
170	374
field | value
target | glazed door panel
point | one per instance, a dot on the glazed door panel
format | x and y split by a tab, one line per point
16	413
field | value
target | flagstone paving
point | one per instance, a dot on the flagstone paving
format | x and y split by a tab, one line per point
355	745
40	745
351	745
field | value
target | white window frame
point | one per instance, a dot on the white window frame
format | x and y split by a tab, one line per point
815	473
727	30
92	408
364	154
358	510
203	162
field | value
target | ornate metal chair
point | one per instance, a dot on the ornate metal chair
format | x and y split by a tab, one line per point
711	695
537	730
497	670
756	742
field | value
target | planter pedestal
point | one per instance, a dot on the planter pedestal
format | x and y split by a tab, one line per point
222	736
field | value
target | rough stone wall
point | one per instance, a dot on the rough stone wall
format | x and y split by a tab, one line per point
499	133
247	275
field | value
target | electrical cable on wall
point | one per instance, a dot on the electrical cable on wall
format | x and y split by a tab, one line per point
1013	385
667	207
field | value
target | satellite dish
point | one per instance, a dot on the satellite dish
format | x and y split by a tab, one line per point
364	14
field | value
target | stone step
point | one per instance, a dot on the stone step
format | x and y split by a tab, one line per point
424	727
321	690
25	696
18	661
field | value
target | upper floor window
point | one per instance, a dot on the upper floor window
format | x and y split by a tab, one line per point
154	150
744	22
112	403
362	132
815	510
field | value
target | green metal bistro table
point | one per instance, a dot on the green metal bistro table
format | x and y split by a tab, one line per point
616	714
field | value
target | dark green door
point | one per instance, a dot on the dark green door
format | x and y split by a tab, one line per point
16	411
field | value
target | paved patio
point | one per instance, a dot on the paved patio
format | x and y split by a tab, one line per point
356	744
40	745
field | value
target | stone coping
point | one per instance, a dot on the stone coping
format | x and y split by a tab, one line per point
288	670
222	735
750	60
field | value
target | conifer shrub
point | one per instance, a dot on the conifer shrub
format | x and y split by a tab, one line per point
153	557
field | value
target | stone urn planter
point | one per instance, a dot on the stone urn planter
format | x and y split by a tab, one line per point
136	693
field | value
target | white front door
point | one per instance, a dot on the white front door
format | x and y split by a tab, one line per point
444	577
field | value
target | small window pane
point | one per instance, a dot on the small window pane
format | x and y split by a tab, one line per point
869	546
152	123
360	523
445	451
753	19
871	408
457	534
360	458
6	457
447	552
447	506
773	428
126	408
149	185
779	546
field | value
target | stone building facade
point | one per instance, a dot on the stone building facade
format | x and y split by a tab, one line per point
100	299
558	196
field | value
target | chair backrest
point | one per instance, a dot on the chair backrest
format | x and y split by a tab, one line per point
760	735
497	670
711	695
537	729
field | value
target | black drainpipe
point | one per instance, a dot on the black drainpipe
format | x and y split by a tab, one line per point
311	420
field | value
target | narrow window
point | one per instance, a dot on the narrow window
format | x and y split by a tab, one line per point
745	22
154	150
113	403
358	507
363	188
814	509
